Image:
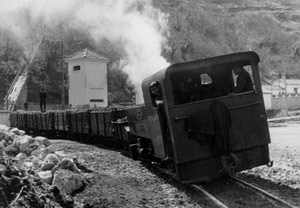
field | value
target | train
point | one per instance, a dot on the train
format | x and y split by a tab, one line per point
203	129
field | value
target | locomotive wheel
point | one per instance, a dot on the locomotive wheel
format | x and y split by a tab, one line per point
133	149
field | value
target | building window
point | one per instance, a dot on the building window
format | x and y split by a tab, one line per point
96	100
296	90
76	68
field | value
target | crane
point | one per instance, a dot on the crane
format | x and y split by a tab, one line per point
19	81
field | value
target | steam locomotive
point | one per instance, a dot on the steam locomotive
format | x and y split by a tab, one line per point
202	130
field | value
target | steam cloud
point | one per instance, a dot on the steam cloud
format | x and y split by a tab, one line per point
136	25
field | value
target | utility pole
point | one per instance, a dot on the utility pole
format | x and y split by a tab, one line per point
62	77
294	52
285	95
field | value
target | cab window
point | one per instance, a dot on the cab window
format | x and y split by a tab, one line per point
192	86
202	84
156	93
205	79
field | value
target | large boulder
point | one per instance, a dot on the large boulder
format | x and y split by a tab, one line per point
12	150
2	150
17	131
31	147
45	176
4	143
21	156
3	168
7	135
43	141
28	164
67	181
40	151
23	142
36	161
4	127
9	142
1	135
47	166
67	164
52	158
26	144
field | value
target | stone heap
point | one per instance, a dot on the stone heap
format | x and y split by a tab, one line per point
35	155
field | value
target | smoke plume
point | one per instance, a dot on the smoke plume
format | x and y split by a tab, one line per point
138	27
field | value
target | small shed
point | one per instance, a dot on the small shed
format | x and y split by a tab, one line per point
87	78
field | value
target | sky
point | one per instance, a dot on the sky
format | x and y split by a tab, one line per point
138	27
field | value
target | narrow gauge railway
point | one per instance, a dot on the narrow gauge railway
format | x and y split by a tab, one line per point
80	125
199	119
239	193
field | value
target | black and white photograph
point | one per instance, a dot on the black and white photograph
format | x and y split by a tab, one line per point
149	103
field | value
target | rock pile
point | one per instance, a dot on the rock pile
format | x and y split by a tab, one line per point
32	160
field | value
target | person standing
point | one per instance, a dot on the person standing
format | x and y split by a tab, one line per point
26	106
43	97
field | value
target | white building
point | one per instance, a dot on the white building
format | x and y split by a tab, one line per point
277	87
87	74
274	91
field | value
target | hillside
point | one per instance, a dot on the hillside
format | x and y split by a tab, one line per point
200	29
143	36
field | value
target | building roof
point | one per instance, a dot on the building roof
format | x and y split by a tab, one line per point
266	82
88	54
288	81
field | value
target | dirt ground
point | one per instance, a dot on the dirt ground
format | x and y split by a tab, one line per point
285	153
118	181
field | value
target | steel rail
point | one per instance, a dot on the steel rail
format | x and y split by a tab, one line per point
211	197
269	195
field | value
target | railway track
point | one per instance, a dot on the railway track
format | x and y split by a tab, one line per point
239	193
233	192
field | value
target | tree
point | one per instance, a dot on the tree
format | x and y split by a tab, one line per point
11	60
120	88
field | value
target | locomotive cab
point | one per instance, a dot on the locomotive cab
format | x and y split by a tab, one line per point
207	126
